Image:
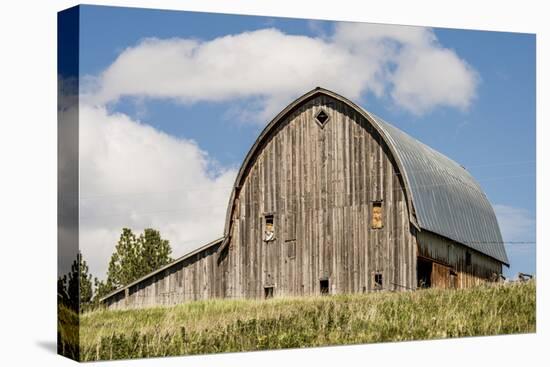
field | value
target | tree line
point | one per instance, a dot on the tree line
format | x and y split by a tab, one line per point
133	257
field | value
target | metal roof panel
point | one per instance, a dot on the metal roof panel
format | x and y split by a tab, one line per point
447	199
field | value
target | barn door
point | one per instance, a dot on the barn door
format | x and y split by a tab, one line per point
442	276
423	273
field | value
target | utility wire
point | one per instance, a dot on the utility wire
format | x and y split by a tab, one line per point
202	188
309	196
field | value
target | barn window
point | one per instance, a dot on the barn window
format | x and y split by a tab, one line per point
269	228
377	215
377	281
291	249
321	118
268	292
323	284
468	258
290	226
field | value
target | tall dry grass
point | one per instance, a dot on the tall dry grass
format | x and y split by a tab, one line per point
243	325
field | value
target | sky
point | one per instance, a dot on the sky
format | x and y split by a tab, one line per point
171	102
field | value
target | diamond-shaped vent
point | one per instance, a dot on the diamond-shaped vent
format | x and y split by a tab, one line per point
321	117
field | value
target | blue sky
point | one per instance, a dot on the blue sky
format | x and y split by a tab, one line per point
486	124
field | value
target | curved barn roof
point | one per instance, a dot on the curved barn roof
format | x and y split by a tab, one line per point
446	199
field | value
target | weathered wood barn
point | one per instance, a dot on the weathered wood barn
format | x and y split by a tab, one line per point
332	199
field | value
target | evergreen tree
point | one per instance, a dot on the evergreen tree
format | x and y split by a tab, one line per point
76	289
101	289
85	282
125	261
155	252
135	257
62	296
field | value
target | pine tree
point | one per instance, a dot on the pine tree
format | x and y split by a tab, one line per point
62	295
101	289
85	282
135	257
155	252
124	263
78	284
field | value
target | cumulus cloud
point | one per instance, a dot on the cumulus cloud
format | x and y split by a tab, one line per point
516	224
67	166
405	64
519	227
132	175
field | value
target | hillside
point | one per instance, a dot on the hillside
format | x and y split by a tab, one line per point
244	325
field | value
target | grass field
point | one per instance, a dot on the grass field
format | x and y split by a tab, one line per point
245	325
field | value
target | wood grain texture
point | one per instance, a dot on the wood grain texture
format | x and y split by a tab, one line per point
188	280
452	254
320	183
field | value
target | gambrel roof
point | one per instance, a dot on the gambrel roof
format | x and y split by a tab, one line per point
443	197
447	200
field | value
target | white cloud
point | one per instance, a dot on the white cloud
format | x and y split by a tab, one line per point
432	77
516	224
67	217
405	64
132	175
519	227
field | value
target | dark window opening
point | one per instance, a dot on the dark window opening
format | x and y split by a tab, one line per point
269	228
268	292
468	258
291	249
377	281
377	215
290	226
324	286
424	273
322	117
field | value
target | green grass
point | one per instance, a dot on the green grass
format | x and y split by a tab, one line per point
244	325
67	332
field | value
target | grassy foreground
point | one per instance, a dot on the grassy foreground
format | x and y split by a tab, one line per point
244	325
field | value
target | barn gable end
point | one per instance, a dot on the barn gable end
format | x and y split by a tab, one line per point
338	202
332	199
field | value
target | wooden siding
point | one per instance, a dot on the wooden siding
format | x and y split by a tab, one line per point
319	183
451	255
188	280
443	276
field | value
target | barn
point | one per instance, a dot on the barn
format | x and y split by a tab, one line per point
332	199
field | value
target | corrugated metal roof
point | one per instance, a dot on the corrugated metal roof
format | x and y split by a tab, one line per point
446	198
